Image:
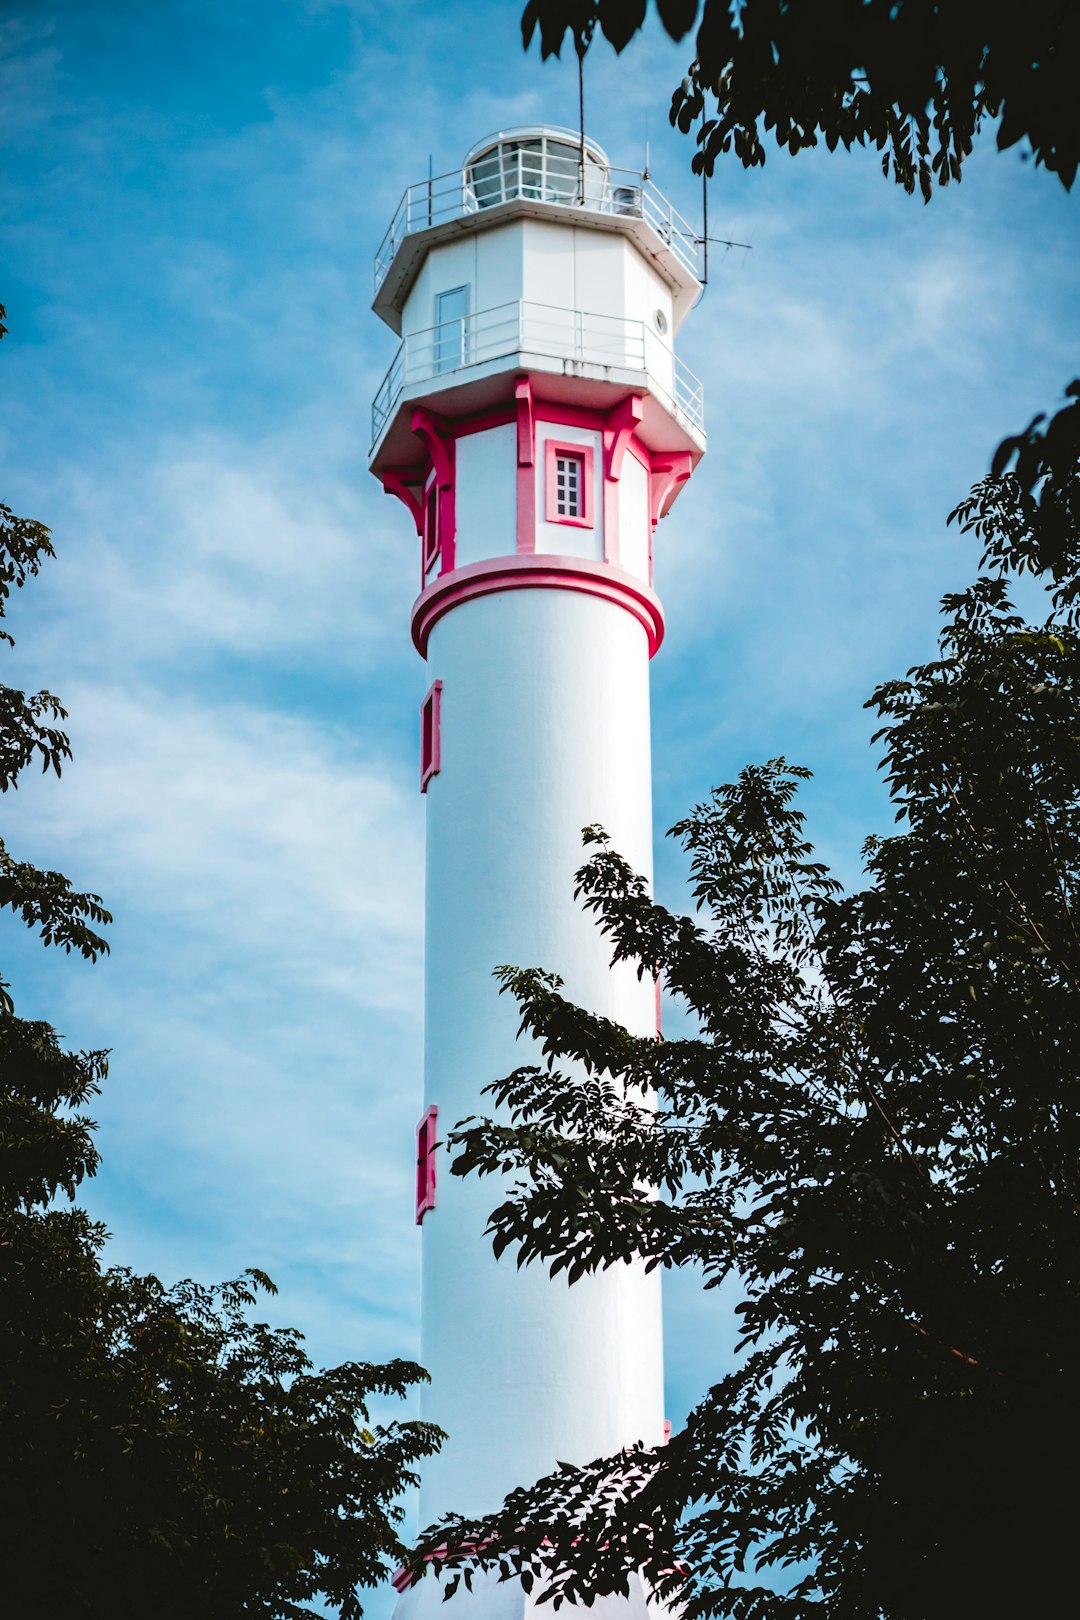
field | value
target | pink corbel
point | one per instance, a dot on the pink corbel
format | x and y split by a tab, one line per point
619	425
664	480
618	431
407	483
434	433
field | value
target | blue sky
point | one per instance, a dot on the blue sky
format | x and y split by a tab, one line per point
193	195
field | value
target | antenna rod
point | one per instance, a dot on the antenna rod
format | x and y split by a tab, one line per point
704	213
581	108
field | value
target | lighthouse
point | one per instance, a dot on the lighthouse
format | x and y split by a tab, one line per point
536	424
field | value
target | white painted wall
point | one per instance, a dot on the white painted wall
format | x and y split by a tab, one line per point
569	539
633	498
645	292
555	266
545	728
450	264
486	495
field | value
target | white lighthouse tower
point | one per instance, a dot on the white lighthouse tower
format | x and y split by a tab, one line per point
536	423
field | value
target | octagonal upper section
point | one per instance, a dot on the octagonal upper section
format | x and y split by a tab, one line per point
536	172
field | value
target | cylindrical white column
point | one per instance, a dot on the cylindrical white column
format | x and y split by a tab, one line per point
544	729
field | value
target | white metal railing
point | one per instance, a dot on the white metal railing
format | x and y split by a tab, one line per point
546	331
552	173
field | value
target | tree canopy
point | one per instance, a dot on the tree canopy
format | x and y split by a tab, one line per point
874	1136
161	1451
917	79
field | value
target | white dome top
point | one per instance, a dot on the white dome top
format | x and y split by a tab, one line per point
522	133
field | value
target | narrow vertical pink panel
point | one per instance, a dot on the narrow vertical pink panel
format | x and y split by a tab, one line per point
425	1163
430	735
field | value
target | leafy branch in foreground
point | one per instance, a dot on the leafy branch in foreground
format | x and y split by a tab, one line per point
916	79
159	1450
874	1138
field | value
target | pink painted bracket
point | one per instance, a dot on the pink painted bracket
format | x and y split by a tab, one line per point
431	735
407	483
425	1163
618	431
664	480
524	401
437	437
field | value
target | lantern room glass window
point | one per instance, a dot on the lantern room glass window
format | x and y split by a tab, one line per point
538	167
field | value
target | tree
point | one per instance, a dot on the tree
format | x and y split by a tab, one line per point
875	1136
161	1452
916	79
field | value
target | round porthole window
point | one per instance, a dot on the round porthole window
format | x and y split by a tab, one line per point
661	320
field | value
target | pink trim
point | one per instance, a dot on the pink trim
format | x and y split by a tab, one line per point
431	428
667	1430
640	452
434	431
621	424
526	457
459	427
666	475
402	1579
537	571
659	1020
581	416
553	449
524	404
430	543
425	1164
610	492
617	436
404	482
431	735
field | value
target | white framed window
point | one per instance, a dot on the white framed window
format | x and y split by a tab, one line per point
569	484
569	475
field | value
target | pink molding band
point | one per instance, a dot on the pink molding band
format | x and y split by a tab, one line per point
532	571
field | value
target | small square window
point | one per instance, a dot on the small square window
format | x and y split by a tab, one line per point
425	1163
430	740
569	483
